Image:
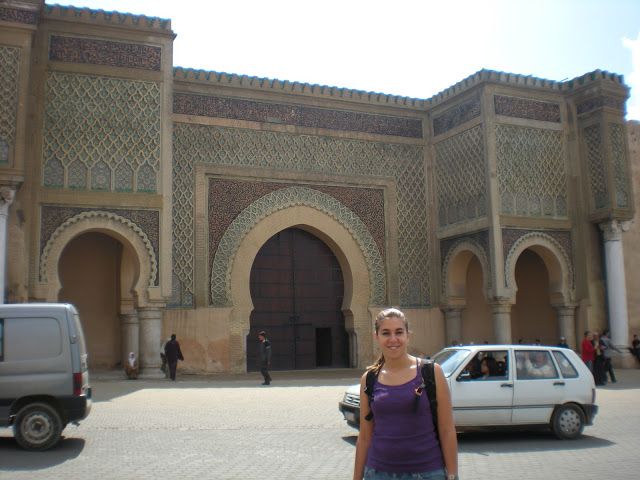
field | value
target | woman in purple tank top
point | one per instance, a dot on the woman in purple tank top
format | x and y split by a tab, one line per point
401	440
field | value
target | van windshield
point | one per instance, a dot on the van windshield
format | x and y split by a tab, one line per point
450	359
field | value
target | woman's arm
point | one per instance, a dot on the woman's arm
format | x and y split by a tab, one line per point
446	425
366	432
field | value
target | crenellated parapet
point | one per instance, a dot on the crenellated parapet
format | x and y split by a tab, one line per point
102	17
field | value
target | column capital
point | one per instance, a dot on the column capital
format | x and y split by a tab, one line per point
6	196
613	229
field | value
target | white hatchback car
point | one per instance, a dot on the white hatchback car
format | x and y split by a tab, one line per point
504	385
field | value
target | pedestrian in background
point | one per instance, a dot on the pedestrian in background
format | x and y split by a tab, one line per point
607	347
265	357
131	367
635	346
398	437
598	361
563	343
587	352
173	353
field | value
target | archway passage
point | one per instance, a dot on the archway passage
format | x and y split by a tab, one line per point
89	271
532	317
297	291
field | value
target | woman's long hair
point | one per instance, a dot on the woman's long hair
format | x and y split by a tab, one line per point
386	313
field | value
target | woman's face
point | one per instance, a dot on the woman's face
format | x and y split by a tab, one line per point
392	337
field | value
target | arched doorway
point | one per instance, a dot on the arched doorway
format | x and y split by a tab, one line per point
477	325
532	317
297	291
89	270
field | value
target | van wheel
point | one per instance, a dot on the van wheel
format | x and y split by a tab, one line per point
37	426
568	422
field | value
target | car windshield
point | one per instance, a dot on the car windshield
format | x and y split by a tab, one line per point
450	359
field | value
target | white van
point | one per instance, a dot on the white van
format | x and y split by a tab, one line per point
44	380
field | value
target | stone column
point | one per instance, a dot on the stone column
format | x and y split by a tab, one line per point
453	324
150	340
567	323
616	288
501	312
6	199
130	331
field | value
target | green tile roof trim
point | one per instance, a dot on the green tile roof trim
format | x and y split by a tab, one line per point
306	89
110	18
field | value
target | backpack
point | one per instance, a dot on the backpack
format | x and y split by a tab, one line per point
428	384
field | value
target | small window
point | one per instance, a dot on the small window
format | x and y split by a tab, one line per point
1	339
487	365
535	365
566	367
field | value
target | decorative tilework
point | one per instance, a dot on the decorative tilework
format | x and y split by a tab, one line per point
18	16
460	177
527	108
9	72
148	221
306	153
596	167
98	122
209	106
599	102
620	166
531	171
457	115
104	52
101	177
281	199
124	178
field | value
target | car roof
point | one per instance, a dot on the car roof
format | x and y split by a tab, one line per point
504	347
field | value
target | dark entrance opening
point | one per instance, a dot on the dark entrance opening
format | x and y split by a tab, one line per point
297	290
323	347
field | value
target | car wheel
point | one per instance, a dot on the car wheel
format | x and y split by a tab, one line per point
37	426
568	422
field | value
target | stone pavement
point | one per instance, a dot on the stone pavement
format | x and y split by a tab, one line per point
231	428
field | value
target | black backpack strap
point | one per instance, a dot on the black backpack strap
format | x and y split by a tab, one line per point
429	380
368	389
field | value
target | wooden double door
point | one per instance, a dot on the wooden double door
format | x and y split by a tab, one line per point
297	290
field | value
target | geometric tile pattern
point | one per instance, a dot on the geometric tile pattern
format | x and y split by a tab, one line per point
599	102
306	153
527	108
279	200
460	177
9	72
18	16
531	172
93	125
595	166
620	167
457	115
104	52
209	106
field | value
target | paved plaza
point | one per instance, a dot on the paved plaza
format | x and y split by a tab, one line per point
231	428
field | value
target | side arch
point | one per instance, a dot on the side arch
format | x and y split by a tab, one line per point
120	228
454	272
284	199
556	260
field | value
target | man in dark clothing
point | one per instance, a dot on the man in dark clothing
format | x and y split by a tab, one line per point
265	357
173	353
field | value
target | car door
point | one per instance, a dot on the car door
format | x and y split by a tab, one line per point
538	387
483	399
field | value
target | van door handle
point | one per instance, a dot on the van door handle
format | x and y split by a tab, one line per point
558	383
508	385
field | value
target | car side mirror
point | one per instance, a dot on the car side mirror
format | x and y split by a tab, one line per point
464	377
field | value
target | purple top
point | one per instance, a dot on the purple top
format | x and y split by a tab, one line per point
403	441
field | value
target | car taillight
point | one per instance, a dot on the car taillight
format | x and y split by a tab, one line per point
77	384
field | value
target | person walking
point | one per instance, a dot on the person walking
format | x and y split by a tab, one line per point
173	353
398	437
598	361
607	347
587	352
563	343
265	357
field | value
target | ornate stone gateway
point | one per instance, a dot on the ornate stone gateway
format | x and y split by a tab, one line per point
297	292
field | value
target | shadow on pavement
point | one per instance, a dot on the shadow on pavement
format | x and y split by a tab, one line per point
351	439
14	458
485	442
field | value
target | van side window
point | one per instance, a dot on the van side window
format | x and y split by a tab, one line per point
1	339
566	367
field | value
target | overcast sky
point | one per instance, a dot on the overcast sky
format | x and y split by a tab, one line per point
403	47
